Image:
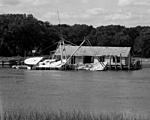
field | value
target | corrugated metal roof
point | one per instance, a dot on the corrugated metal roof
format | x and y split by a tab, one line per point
95	51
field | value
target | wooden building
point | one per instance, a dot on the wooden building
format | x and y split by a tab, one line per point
116	57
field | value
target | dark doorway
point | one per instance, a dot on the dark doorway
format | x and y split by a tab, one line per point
88	59
73	60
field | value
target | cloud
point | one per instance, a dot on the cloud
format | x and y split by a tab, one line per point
142	3
94	16
124	2
49	15
39	2
128	18
133	2
9	2
54	16
22	2
84	1
95	11
74	15
128	12
119	16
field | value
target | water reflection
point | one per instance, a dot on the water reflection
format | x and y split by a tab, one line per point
1	107
69	90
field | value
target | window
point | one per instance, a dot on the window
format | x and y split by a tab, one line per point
102	59
73	60
116	59
88	59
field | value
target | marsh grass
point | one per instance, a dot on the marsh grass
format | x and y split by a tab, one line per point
74	115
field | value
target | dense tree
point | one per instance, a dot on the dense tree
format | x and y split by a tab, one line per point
20	34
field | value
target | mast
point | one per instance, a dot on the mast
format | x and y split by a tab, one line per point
61	52
62	44
64	49
58	16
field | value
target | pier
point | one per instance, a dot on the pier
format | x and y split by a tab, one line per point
8	62
5	64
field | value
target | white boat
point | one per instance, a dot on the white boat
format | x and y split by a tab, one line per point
99	66
45	63
51	64
32	60
21	67
58	64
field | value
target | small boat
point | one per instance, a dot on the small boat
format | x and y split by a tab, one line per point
99	66
28	63
21	67
53	63
45	63
32	60
50	64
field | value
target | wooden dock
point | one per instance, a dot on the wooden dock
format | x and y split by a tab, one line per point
9	63
5	64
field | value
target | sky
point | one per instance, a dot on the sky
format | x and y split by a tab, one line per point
128	13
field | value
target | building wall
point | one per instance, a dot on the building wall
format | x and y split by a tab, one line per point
79	60
124	60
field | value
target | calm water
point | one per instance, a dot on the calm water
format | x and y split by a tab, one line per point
76	90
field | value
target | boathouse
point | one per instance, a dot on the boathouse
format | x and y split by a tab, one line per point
116	57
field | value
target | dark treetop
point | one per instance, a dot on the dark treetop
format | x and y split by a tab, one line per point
21	33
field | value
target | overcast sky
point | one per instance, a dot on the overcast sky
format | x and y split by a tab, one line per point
91	12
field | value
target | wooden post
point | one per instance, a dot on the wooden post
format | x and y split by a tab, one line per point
115	62
73	59
64	49
121	61
129	62
110	62
61	53
141	63
2	63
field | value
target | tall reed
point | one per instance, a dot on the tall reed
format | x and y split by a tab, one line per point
75	115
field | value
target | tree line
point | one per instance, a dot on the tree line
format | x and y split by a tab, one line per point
20	34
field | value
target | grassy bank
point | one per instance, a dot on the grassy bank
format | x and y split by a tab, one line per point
69	116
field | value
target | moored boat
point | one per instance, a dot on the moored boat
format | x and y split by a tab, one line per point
21	67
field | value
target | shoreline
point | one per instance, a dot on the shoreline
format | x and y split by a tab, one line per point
73	115
145	61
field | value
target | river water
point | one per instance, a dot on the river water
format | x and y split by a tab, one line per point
108	91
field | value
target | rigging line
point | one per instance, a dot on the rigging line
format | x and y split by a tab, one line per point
59	22
70	42
50	46
58	17
75	50
55	50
